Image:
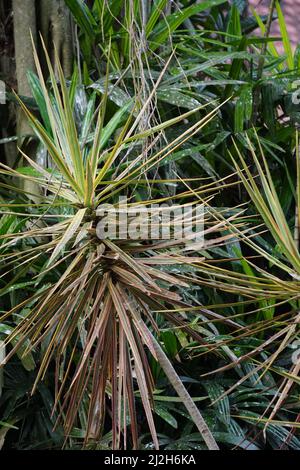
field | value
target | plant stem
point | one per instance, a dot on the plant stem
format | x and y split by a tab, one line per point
184	395
261	63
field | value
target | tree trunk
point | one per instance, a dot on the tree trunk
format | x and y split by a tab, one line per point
7	74
53	20
24	23
56	29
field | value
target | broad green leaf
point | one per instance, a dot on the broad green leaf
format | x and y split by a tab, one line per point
177	98
164	414
38	95
83	16
243	108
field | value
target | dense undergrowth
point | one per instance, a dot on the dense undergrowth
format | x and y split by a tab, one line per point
124	344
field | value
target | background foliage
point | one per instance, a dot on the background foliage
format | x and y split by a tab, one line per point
224	318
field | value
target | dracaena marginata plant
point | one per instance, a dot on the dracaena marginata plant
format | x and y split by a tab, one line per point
91	312
274	244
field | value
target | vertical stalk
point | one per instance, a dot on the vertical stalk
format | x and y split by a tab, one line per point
184	395
297	214
261	63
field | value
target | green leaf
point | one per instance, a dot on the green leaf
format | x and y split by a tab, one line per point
157	9
163	413
170	342
234	24
237	441
168	25
214	391
83	17
271	47
38	95
112	125
217	59
115	93
285	37
243	108
177	98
